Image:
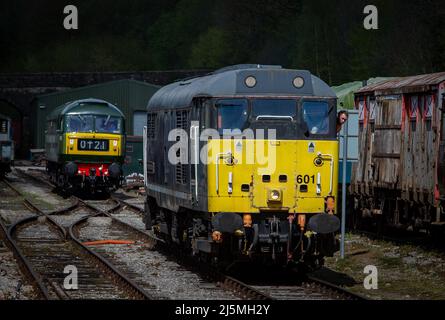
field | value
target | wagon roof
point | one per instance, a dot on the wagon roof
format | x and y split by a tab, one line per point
230	81
96	107
417	83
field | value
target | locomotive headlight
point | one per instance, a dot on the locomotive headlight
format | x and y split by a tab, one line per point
114	143
71	141
250	81
274	195
298	82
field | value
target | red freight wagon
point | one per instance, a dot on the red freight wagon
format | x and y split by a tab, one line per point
400	174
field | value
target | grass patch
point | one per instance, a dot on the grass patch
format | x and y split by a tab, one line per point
42	204
390	262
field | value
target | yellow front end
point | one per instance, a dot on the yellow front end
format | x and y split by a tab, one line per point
72	146
253	176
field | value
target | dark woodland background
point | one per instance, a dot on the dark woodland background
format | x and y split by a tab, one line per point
325	37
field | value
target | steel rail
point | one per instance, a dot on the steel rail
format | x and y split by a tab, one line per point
136	290
123	280
241	289
332	287
29	271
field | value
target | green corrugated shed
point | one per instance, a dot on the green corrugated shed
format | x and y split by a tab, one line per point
345	92
129	96
133	154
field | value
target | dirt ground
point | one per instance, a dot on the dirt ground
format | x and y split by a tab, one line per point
404	271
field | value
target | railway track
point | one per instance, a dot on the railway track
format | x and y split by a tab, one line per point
118	219
310	289
44	248
158	275
13	206
114	220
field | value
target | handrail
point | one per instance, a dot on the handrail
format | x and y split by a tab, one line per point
194	134
219	156
331	158
144	154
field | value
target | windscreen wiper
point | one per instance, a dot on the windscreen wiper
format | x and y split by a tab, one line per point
267	116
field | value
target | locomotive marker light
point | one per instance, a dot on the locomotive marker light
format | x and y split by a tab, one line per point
298	82
250	81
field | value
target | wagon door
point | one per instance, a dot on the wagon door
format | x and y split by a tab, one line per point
385	125
440	116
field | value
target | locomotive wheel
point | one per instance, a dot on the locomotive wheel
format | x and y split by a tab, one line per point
151	210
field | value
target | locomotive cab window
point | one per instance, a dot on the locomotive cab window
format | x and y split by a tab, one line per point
232	114
274	109
93	123
79	123
107	124
316	117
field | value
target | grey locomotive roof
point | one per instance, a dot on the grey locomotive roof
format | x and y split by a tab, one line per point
72	106
271	80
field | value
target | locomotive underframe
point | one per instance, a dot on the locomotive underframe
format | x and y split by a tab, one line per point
266	240
73	183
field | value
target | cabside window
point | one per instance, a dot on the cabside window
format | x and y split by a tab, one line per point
316	116
232	114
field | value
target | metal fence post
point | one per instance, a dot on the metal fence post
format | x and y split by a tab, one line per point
343	190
